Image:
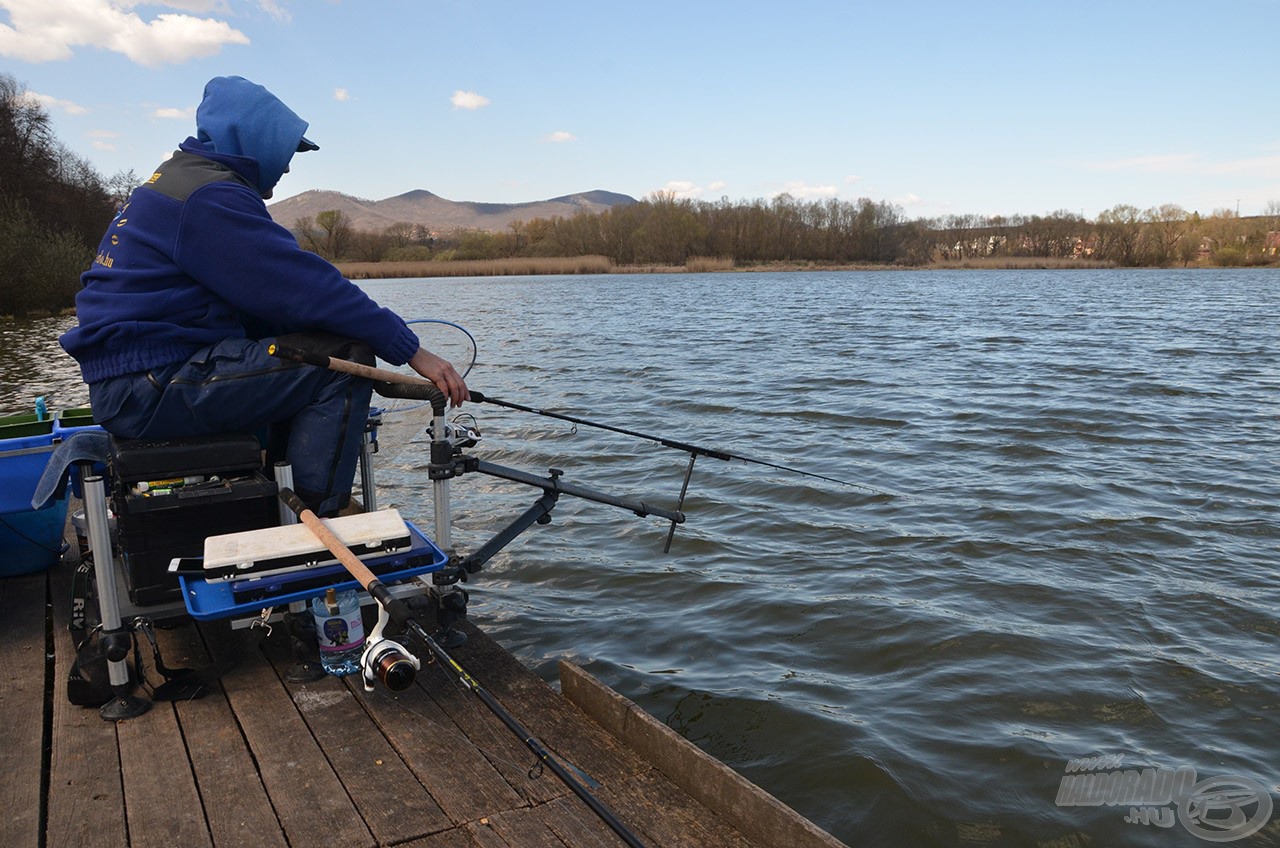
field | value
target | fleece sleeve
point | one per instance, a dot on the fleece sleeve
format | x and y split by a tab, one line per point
229	243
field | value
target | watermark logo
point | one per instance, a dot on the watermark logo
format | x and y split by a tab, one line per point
1218	809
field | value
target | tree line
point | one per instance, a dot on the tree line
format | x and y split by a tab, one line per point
54	207
663	229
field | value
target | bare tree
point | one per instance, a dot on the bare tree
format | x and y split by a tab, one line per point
335	229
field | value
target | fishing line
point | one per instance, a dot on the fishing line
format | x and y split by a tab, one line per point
693	450
475	352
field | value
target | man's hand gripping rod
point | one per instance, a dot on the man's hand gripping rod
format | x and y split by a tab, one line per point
400	613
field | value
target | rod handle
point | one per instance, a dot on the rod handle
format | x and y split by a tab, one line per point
377	590
294	354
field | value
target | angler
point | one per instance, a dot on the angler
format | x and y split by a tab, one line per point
174	326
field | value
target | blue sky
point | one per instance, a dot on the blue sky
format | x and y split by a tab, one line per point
942	108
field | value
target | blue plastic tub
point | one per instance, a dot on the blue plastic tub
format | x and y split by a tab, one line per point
22	461
32	540
70	421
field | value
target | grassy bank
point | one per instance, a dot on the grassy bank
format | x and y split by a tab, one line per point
996	263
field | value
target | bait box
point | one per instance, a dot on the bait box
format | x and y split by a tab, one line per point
157	528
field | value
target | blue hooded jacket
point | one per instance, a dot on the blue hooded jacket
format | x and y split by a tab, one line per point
239	118
194	253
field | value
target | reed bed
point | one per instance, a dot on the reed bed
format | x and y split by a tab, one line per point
703	264
510	267
533	265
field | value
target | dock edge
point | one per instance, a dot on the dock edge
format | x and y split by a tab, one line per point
719	788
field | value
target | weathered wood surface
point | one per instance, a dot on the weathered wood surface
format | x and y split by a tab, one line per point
22	704
260	761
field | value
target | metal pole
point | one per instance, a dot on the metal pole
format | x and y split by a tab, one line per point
368	489
440	491
284	480
115	640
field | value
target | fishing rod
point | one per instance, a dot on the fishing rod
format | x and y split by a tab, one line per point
399	612
385	376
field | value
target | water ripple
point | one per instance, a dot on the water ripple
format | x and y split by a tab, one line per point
1065	546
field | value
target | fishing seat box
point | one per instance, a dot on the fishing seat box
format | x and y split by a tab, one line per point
159	525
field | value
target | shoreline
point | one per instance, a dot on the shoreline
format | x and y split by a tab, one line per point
536	266
554	266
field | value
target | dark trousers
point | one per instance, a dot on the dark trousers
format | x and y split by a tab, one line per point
235	386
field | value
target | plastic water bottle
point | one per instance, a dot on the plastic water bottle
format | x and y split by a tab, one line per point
340	631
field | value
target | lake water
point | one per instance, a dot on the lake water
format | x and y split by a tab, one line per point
1062	541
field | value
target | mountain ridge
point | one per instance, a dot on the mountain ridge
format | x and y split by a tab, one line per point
424	208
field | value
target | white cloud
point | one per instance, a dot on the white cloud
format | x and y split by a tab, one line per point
201	6
53	103
717	185
909	199
682	189
101	140
50	30
1165	163
468	100
174	113
851	179
1262	167
276	10
560	136
803	191
341	95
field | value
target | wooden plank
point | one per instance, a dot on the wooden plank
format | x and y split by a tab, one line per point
525	828
484	836
447	839
24	705
576	826
236	805
458	776
561	726
86	798
508	755
162	803
309	799
748	807
394	805
666	815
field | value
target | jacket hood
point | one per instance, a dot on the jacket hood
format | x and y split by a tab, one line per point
241	118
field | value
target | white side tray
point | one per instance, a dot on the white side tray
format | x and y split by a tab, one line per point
290	547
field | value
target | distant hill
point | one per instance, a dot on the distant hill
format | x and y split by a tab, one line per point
432	211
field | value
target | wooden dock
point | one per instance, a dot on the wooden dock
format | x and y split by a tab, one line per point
262	762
